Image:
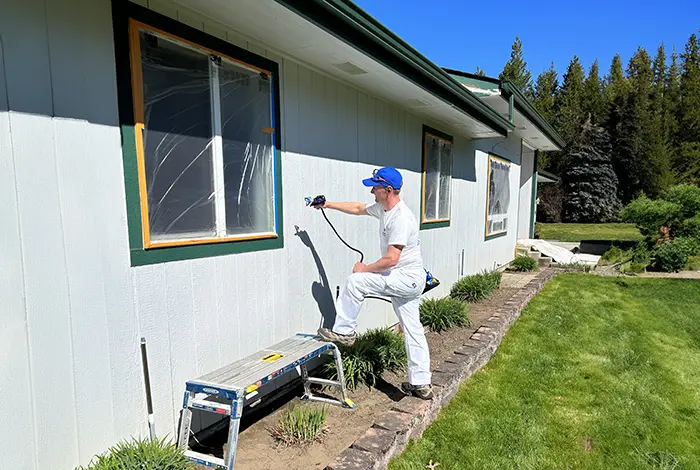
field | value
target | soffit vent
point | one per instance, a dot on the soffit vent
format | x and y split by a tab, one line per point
350	68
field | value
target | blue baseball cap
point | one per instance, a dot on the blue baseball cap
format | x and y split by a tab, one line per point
387	176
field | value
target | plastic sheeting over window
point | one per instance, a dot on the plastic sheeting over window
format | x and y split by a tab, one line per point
499	196
208	144
438	178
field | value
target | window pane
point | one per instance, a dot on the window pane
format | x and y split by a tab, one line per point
432	177
248	151
499	196
177	140
445	178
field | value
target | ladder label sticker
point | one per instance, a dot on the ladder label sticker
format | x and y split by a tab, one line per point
273	357
251	388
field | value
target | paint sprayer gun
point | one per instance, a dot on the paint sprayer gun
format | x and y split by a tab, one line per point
315	201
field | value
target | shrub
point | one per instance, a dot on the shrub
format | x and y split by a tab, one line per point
613	255
686	196
373	352
674	255
524	263
301	425
650	215
693	263
442	314
145	454
476	287
690	227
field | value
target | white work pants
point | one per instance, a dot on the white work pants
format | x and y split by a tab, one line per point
405	289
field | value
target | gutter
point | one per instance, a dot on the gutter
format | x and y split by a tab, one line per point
525	107
349	23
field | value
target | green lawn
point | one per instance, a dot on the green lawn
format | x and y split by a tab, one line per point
597	373
578	232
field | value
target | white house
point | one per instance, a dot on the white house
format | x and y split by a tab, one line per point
154	159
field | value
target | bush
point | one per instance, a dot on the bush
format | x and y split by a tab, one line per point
476	287
674	255
687	197
442	314
690	227
143	454
374	352
301	425
524	263
650	215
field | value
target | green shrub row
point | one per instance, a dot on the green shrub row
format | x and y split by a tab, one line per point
141	454
523	263
476	287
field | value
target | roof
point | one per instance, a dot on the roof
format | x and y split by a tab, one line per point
546	177
487	87
345	19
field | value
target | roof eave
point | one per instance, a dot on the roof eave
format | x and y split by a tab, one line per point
528	110
349	23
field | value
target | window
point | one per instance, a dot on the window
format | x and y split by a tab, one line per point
206	144
498	196
437	178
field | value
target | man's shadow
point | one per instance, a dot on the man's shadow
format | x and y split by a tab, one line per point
321	291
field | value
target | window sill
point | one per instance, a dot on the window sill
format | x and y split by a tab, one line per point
142	257
427	225
495	235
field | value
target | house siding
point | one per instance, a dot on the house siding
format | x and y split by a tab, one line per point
75	309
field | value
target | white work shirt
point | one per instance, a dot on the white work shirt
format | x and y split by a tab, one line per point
398	226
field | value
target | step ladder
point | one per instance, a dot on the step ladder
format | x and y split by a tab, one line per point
227	390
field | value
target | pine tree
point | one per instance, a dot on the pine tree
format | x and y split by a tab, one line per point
544	102
661	147
569	102
545	92
689	110
593	100
615	81
672	100
479	72
589	180
516	70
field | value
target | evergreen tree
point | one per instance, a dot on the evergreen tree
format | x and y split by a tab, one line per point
615	81
479	72
593	100
661	147
544	102
689	118
672	100
516	70
545	92
569	102
589	180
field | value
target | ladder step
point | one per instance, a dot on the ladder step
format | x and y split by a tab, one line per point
213	406
315	380
204	459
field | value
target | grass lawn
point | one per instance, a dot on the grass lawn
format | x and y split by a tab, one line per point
578	232
597	373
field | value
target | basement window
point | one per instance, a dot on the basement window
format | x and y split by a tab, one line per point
498	196
206	143
437	178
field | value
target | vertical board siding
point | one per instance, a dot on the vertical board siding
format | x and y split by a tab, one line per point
17	447
77	309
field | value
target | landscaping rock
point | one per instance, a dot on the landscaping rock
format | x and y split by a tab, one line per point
394	421
376	441
353	459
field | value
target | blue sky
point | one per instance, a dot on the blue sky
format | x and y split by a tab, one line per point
462	34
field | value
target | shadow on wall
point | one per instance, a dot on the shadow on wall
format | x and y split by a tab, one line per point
321	291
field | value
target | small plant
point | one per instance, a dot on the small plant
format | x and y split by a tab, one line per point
145	454
374	352
301	425
523	263
476	287
442	314
673	255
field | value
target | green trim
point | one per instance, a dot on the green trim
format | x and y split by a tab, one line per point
533	199
498	235
442	223
482	81
549	175
511	109
352	25
525	107
121	12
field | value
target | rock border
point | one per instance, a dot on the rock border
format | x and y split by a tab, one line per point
408	418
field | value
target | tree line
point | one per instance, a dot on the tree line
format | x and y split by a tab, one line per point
633	131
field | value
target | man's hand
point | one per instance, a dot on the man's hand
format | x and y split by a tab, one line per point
359	268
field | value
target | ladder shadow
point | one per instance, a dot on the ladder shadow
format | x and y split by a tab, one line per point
321	291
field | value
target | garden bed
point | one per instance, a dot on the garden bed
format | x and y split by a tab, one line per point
258	450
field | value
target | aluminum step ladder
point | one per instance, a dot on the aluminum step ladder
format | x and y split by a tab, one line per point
227	390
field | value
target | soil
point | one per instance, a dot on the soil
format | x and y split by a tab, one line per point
258	450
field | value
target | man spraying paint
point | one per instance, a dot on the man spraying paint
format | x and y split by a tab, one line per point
398	274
